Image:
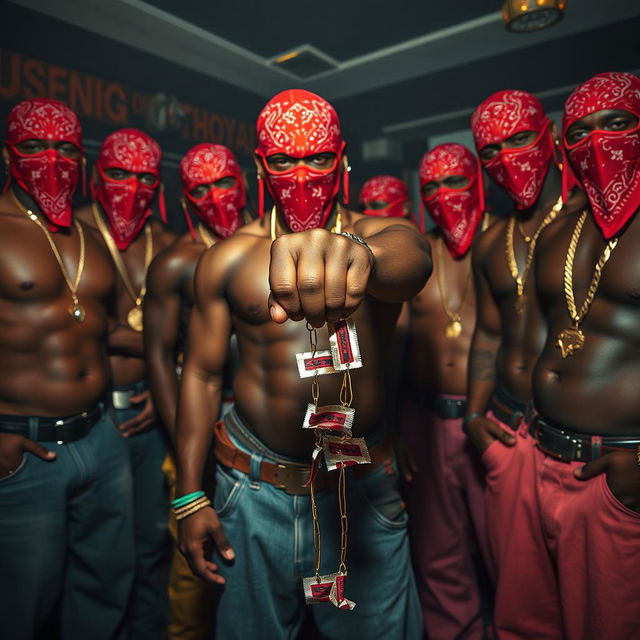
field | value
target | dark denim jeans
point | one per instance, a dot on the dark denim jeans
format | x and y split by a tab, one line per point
271	533
148	611
66	539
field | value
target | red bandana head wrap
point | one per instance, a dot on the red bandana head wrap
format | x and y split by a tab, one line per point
220	209
298	123
457	212
127	203
607	163
519	171
48	177
387	189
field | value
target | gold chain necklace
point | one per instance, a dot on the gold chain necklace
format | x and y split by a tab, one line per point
134	316
76	310
521	278
454	328
337	227
571	340
205	235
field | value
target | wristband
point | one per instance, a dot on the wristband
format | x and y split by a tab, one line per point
183	500
471	416
362	242
638	455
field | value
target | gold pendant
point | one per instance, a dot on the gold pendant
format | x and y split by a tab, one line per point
569	341
77	312
520	305
134	318
453	329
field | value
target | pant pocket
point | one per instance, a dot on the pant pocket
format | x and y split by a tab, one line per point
229	487
380	494
611	499
12	476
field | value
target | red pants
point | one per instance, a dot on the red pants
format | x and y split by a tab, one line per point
567	551
446	512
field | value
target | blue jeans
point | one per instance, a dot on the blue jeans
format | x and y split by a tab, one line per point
148	611
271	533
66	539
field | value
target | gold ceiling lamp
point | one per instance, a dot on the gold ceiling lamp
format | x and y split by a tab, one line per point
523	16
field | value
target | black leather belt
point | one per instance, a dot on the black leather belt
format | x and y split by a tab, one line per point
60	430
570	446
443	407
506	408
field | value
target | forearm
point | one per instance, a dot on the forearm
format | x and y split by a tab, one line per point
402	264
198	408
481	371
163	380
124	341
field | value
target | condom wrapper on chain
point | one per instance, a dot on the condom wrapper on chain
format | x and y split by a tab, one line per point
332	417
344	452
316	461
318	362
343	341
330	589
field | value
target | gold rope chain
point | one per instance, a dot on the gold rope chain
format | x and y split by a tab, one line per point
521	279
578	316
117	258
337	227
205	235
454	316
76	311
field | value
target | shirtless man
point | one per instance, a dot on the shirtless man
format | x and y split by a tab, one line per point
445	493
66	539
385	196
126	180
214	190
574	529
286	268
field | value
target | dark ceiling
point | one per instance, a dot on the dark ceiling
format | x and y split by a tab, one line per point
340	28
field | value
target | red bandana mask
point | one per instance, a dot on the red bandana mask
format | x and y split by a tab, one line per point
385	189
48	177
127	203
457	212
300	124
607	163
520	172
220	209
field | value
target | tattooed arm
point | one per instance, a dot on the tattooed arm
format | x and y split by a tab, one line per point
485	344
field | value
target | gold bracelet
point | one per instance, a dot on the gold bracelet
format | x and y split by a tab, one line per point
193	510
638	455
177	511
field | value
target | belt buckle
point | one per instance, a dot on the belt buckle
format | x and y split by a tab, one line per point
559	444
121	399
296	477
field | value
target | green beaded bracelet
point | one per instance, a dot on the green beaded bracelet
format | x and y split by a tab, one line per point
183	500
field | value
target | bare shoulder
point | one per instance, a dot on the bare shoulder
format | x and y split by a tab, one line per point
485	243
173	264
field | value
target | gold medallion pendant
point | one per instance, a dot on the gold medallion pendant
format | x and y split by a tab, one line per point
77	312
134	318
453	329
569	341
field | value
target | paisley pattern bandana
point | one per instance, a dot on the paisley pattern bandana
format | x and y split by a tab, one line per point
457	212
298	123
48	177
220	209
387	189
520	171
607	163
127	203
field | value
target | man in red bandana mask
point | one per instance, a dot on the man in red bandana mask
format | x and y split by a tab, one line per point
263	283
213	204
445	488
126	180
66	541
579	524
385	196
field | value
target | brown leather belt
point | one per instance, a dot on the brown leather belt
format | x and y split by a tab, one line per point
291	477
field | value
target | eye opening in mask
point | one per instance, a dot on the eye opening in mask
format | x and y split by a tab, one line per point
517	149
65	148
442	186
577	128
119	174
294	161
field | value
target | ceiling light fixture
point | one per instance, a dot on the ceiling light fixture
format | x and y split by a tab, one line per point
523	16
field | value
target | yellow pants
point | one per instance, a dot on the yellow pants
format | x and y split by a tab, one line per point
191	599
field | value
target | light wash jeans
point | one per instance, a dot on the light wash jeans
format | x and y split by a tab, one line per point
271	533
66	539
148	611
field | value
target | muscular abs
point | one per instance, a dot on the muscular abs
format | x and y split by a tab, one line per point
596	389
51	364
